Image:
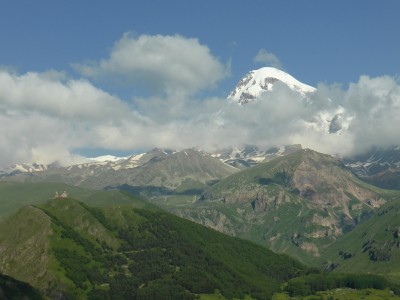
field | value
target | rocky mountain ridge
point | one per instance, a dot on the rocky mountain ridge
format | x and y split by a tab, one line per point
297	204
379	166
156	171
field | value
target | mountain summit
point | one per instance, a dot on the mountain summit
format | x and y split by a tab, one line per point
331	119
256	82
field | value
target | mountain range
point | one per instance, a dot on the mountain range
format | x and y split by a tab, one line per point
332	213
157	171
297	204
322	198
379	166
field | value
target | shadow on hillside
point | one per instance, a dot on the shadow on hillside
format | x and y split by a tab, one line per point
154	191
146	191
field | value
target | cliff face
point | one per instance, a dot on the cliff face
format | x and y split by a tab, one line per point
301	202
319	180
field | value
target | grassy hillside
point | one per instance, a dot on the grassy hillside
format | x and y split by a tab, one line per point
65	247
14	195
372	247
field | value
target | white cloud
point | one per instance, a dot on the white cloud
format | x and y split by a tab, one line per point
375	104
171	64
46	116
370	109
267	58
70	99
44	113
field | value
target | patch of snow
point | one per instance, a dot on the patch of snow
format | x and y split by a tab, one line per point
136	157
281	150
258	158
106	158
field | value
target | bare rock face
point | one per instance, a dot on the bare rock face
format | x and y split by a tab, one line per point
310	247
336	123
209	217
319	180
396	233
324	182
266	202
303	202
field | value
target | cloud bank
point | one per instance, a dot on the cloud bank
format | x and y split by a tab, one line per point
171	64
49	116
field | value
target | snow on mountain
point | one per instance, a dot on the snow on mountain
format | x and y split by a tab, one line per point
104	162
25	168
111	162
256	82
334	121
106	158
380	166
249	156
375	161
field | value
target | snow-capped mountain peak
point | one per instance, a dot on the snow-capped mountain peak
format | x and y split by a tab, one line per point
256	82
25	168
332	120
106	158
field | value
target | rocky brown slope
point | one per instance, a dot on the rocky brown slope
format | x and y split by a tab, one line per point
298	204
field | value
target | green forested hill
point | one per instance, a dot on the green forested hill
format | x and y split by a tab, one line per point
14	195
372	247
67	249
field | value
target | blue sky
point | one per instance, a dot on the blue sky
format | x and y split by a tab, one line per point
328	41
318	42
